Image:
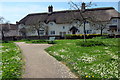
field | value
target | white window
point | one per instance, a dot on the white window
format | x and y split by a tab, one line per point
88	31
118	30
52	32
41	32
78	30
114	20
62	34
51	23
86	22
63	27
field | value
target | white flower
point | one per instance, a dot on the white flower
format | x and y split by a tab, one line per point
106	48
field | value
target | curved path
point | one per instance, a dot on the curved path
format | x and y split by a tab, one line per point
40	64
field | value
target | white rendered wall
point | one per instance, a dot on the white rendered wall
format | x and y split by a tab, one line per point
52	26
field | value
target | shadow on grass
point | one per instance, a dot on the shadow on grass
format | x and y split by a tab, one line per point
90	43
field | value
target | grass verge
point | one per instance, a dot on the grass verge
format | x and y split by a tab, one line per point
98	61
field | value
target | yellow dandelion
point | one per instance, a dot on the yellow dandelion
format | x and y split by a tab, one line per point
12	70
92	76
86	76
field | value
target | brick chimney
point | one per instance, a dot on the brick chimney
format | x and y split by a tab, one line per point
83	6
50	8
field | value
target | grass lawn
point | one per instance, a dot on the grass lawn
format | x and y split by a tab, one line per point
32	41
11	61
0	61
88	62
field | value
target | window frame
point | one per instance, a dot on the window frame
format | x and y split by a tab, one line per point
41	31
114	20
52	32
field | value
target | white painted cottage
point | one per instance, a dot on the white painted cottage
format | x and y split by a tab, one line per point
70	22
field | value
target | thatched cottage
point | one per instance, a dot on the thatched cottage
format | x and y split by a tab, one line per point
8	30
71	22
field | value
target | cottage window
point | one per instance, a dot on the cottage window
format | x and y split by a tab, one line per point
63	27
41	32
114	20
118	30
62	34
51	23
78	30
88	31
86	22
52	32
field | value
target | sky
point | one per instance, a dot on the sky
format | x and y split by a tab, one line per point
14	11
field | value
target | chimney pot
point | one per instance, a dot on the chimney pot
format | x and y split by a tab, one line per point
50	8
83	6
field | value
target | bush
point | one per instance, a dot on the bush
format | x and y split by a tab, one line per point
79	36
37	41
90	43
3	41
101	37
51	42
25	40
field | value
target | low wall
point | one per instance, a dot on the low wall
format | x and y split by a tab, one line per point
15	38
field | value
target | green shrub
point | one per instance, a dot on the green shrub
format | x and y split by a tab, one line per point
25	40
51	42
37	41
77	36
101	37
4	41
90	43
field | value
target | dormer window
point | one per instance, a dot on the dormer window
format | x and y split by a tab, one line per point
51	23
114	20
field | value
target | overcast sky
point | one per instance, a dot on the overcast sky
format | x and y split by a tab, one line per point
14	10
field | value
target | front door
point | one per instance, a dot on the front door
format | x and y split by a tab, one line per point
73	30
62	34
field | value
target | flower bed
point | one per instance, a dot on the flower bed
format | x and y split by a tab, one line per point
93	62
11	61
79	36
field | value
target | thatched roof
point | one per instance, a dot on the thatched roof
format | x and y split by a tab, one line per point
99	14
9	26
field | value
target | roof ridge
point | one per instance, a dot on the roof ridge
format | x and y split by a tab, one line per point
101	8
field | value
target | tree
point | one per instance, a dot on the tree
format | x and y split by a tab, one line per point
4	27
98	24
83	19
37	27
101	26
23	31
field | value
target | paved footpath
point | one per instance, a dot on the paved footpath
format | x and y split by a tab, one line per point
39	64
